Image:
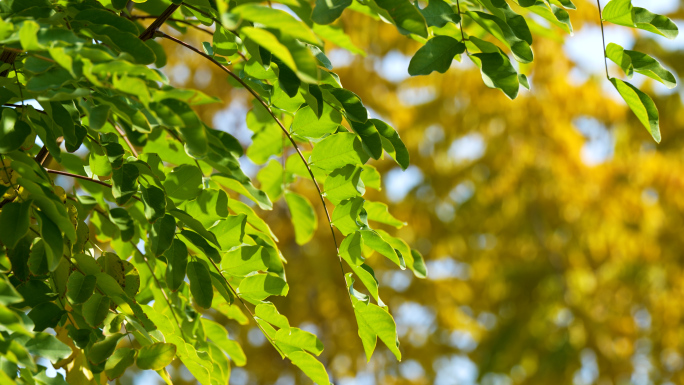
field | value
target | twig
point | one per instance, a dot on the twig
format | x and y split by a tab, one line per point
161	19
460	26
603	37
128	141
186	22
28	53
64	173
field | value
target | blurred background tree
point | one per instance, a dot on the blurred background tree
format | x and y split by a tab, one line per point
551	224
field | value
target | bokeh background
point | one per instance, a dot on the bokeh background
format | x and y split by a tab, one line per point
552	225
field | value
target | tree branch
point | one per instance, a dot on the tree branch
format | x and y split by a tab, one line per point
186	22
157	23
76	176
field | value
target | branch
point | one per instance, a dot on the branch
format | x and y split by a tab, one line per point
282	127
186	22
64	173
157	23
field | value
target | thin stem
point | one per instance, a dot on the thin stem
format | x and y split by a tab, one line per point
28	53
282	127
166	298
603	37
460	25
186	22
64	173
128	141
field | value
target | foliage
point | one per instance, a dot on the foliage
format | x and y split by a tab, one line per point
158	237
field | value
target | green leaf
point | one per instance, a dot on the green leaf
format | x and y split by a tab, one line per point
102	350
378	212
156	356
95	309
298	339
154	200
497	72
303	217
438	13
245	260
256	288
373	240
100	17
392	143
630	61
308	125
125	42
370	138
407	17
48	346
200	283
327	11
278	20
177	258
13	132
374	322
124	183
658	24
80	287
436	55
310	366
195	225
209	207
184	182
338	150
642	105
53	239
14	222
350	249
119	361
344	183
498	28
351	103
345	215
219	335
619	12
122	219
202	244
161	234
190	126
38	263
268	312
271	179
45	315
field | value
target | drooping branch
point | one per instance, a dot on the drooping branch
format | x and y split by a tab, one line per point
603	38
280	124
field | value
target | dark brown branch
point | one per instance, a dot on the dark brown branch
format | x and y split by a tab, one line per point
158	22
186	22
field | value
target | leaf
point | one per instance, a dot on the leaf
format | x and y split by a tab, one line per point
268	312
154	200
345	215
190	126
53	239
102	350
48	346
195	225
119	361
619	12
256	288
245	260
374	322
202	244
310	366
122	219
95	309
124	183
299	339
219	335
378	212
370	138
307	124
161	234
80	287
497	27
278	20
658	24
303	217
338	150
392	143
184	182
373	240
14	222
497	72
406	16
13	132
438	13
177	263
156	356
436	55
45	315
327	11
350	249
344	183
351	103
209	207
630	61
642	105
200	283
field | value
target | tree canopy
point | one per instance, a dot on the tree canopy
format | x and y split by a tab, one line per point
136	233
